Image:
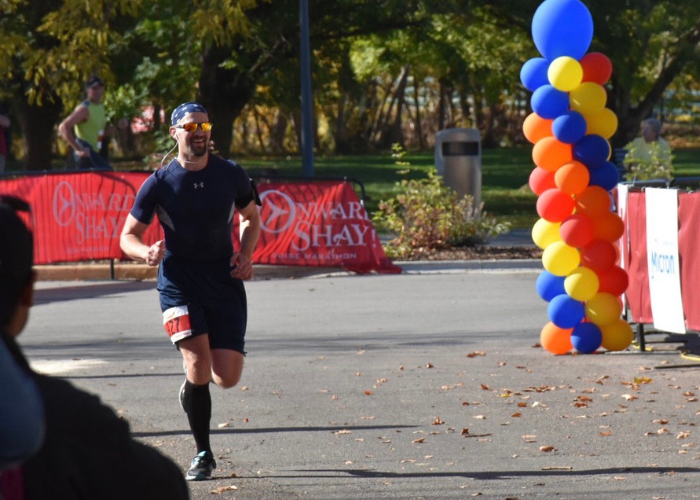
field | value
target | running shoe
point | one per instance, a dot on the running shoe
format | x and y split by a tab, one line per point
182	395
202	466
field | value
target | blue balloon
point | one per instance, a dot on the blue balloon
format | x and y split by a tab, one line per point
562	28
549	285
549	102
586	337
593	150
606	176
565	312
569	127
533	74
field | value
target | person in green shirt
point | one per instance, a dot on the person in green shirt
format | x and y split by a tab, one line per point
84	128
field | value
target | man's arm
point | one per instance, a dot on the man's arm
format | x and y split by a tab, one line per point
131	243
242	262
79	115
5	121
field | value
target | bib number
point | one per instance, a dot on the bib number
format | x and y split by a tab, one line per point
176	322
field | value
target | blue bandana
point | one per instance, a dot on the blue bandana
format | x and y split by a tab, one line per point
183	109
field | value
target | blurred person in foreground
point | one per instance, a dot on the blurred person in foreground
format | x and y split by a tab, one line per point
200	278
88	451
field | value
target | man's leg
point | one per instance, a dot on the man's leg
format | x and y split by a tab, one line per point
227	367
196	399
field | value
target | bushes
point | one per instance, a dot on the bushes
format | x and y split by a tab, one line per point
425	215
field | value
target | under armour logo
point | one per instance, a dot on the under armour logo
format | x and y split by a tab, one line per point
199	185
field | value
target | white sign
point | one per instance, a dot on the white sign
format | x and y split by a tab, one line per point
662	260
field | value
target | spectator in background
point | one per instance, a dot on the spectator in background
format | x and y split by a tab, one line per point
88	451
649	156
84	128
4	150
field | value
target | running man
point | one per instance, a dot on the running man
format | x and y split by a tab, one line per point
200	278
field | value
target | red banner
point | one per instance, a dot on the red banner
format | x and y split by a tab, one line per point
79	216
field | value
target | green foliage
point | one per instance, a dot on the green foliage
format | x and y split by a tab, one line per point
650	161
427	215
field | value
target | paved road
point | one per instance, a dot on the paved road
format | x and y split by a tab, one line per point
390	387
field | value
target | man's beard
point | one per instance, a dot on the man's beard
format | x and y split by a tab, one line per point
199	149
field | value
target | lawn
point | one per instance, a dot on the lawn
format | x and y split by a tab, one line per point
505	174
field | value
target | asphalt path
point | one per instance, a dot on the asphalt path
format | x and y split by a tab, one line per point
413	386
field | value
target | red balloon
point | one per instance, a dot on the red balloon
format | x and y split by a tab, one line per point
535	128
550	154
593	201
576	231
613	281
596	68
609	227
554	205
599	255
541	180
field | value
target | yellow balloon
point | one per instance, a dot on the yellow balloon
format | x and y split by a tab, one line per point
565	73
617	335
544	233
589	98
560	259
603	124
603	309
582	284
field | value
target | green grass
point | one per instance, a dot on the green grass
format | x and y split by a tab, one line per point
505	174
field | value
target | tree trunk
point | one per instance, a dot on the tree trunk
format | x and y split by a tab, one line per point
38	129
419	124
224	92
278	132
391	132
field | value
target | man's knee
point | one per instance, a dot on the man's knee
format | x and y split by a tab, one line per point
227	381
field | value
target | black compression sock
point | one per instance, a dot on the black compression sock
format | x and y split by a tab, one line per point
197	403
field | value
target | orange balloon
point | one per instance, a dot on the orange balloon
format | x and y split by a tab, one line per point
555	206
535	128
541	180
556	340
550	154
608	226
572	178
593	201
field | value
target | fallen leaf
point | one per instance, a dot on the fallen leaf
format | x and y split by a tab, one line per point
465	430
642	380
476	353
547	449
429	365
560	467
368	393
605	433
480	417
629	397
219	491
661	421
344	431
517	415
522	405
225	424
419	440
437	421
485	387
620	478
682	435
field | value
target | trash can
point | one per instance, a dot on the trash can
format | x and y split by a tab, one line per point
458	161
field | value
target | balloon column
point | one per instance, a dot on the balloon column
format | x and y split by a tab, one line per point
570	127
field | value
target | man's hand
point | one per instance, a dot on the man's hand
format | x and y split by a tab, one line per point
155	253
241	267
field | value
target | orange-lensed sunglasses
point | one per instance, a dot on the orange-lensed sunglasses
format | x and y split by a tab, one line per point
191	127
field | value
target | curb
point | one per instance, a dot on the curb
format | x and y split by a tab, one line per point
141	272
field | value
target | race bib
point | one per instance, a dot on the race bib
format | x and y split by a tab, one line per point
176	322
